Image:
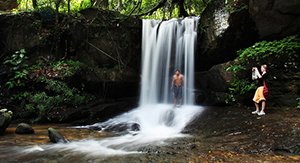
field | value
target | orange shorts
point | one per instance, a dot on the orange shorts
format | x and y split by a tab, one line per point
259	95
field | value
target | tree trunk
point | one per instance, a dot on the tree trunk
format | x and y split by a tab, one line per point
99	3
69	7
205	1
34	4
164	12
138	5
182	11
57	4
105	4
92	3
120	5
170	10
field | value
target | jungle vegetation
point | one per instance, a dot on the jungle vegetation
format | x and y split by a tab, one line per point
159	9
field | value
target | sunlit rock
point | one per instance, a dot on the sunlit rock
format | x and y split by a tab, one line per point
24	128
55	136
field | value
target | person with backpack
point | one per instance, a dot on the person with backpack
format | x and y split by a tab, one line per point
262	91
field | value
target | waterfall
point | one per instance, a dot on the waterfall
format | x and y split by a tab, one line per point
166	45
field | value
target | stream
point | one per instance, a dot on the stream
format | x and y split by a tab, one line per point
213	136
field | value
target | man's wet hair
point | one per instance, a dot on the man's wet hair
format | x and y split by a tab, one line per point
177	70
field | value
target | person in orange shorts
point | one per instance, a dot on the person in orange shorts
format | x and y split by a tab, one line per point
259	94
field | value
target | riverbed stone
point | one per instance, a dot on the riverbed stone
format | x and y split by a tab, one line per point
24	128
123	127
55	136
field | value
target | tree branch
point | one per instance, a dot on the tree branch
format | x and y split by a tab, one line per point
182	11
138	5
160	4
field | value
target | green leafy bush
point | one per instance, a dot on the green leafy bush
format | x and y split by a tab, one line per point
42	86
56	94
26	5
18	67
132	7
279	55
298	103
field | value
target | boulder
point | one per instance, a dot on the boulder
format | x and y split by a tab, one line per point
294	149
275	18
55	136
5	119
223	29
24	128
212	85
122	127
227	26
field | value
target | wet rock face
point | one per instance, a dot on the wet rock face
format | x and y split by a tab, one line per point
123	127
5	119
55	136
275	18
226	28
13	38
108	34
212	85
24	128
223	29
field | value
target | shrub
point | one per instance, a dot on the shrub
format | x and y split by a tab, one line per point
279	55
18	69
42	86
298	103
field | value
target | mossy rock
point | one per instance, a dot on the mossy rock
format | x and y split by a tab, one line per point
5	119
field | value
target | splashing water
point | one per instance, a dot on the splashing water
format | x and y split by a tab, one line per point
166	45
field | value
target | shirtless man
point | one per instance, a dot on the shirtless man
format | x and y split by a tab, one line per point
177	84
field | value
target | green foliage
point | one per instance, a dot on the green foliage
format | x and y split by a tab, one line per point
298	103
6	113
127	7
233	6
67	68
76	5
55	69
42	86
18	68
275	53
278	55
56	93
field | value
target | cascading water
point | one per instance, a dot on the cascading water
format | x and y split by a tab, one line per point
167	45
